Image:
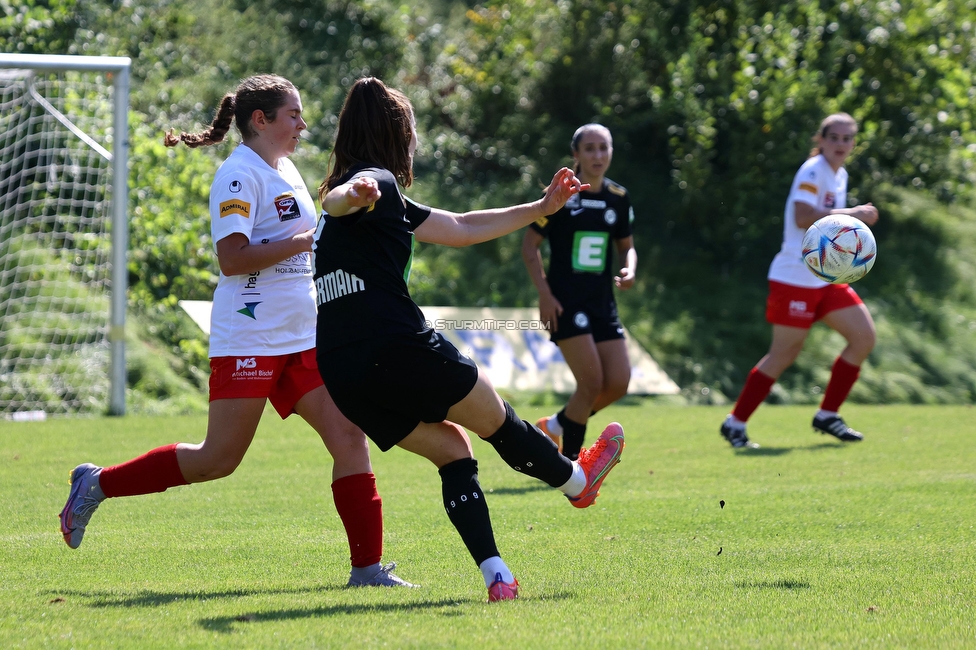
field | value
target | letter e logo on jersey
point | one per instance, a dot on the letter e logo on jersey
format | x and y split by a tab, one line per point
590	251
247	364
287	207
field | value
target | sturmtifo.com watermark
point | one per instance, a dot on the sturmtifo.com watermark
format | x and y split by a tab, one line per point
489	324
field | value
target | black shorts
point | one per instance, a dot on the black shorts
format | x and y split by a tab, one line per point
601	321
389	386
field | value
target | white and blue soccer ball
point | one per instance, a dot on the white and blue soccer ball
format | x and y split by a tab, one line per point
839	249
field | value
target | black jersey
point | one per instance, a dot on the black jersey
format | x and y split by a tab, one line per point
361	264
580	236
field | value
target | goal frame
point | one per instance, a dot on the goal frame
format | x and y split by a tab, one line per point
119	67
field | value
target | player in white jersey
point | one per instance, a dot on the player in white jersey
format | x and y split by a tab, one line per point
797	298
262	333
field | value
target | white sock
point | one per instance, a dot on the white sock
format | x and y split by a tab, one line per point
821	414
493	567
95	490
735	422
553	425
576	483
365	573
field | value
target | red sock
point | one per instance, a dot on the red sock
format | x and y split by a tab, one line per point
154	471
842	378
361	510
758	385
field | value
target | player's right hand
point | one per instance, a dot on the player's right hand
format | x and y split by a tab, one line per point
549	311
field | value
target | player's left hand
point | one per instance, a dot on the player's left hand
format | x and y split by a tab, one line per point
362	192
626	278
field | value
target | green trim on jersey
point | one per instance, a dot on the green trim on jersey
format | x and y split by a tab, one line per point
409	265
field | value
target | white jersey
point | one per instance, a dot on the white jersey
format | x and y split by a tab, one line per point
818	185
268	312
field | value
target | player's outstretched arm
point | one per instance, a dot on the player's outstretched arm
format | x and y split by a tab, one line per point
453	229
349	197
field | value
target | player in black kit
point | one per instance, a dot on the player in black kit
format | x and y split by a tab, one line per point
399	380
576	298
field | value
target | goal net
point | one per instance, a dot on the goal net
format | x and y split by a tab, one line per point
63	234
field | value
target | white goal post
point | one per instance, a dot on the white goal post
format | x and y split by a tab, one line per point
63	189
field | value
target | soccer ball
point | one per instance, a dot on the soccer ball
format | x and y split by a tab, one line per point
839	249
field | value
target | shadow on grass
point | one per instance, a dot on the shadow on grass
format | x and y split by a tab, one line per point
225	624
773	584
156	598
779	451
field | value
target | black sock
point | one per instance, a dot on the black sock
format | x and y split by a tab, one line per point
529	451
573	435
467	509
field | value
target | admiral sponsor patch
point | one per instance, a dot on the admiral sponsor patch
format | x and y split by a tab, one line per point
235	206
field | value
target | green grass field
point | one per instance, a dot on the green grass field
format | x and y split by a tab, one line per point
819	544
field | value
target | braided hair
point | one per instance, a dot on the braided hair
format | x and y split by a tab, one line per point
263	92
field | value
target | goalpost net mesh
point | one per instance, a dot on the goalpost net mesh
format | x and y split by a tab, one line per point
55	264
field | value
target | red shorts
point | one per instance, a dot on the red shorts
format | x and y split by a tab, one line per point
802	306
283	379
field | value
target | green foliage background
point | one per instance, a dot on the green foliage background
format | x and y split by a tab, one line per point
711	103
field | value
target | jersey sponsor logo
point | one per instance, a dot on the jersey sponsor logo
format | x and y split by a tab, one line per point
235	186
247	368
581	320
247	363
300	264
287	207
599	204
610	216
234	206
830	200
808	187
335	285
252	282
249	310
590	251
